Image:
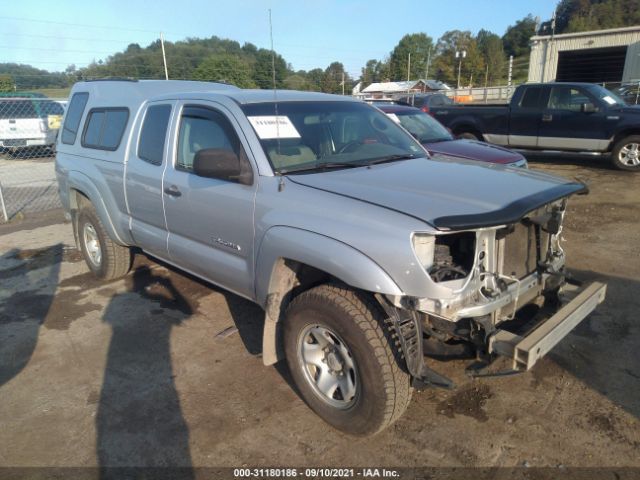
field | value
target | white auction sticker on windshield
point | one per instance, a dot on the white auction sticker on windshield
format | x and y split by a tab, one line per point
393	117
609	100
268	127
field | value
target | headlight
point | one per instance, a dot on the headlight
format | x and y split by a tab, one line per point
424	247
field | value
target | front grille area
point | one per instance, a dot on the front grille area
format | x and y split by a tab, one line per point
520	250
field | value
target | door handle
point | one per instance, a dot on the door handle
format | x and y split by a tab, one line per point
547	117
173	191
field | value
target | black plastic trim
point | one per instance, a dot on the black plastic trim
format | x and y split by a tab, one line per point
512	213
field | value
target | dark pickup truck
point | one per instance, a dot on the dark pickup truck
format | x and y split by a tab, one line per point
571	117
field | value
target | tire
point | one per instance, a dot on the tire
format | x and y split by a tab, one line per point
626	153
114	260
468	136
382	389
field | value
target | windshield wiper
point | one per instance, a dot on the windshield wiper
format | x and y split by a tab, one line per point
320	166
388	158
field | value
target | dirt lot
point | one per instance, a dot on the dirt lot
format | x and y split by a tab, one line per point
150	370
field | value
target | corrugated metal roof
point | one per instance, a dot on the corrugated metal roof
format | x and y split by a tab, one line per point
591	33
403	86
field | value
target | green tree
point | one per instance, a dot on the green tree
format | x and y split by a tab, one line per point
6	83
225	68
296	82
375	71
517	37
314	78
585	15
446	64
263	72
333	77
418	45
490	46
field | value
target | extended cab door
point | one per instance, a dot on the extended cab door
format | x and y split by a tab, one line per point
146	163
564	125
210	221
524	119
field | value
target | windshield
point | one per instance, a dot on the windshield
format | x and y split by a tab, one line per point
422	126
314	135
606	96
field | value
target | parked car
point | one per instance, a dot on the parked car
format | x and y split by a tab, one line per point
28	122
323	210
629	92
426	101
438	141
569	117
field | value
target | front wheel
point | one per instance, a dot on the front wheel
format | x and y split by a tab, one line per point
626	153
343	360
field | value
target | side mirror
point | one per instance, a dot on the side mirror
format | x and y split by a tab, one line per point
222	164
588	108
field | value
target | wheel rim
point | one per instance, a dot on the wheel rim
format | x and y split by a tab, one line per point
630	155
92	244
328	366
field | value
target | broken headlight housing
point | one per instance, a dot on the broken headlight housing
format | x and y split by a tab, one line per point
424	248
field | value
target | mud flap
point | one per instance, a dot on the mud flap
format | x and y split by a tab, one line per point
409	332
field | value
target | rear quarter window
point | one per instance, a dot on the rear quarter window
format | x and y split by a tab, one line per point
153	134
531	97
104	128
74	115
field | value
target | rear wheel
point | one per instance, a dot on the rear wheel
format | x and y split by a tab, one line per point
105	258
343	361
626	153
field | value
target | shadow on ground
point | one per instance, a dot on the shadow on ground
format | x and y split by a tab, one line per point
25	311
602	351
139	420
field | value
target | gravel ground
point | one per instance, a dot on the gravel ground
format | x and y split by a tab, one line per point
159	369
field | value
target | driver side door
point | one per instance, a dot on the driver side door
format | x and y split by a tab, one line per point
210	220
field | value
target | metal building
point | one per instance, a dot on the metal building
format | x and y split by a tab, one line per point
601	56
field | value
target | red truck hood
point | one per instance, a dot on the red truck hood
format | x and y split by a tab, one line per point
473	150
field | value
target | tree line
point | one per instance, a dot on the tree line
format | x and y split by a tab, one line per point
417	55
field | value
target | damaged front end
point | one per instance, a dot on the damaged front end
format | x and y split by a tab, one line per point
500	290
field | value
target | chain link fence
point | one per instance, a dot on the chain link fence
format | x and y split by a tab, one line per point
29	127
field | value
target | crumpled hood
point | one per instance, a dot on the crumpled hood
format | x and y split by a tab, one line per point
474	150
449	195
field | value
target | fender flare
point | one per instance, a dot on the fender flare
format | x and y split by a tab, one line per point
275	279
84	185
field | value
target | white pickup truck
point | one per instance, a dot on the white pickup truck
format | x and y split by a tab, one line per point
28	123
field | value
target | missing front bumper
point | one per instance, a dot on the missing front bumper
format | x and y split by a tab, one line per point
526	350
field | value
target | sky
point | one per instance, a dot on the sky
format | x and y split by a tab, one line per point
307	34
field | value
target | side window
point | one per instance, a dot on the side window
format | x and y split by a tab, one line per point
104	128
202	128
74	115
567	98
436	101
154	133
531	97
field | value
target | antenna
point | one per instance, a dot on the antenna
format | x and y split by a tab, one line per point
275	90
164	57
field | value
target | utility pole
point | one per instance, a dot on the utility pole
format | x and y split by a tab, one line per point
510	75
409	68
460	54
342	83
426	73
164	57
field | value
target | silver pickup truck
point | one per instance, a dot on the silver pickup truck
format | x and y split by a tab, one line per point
365	254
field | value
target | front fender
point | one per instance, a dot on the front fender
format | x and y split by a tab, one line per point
324	253
83	184
274	280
